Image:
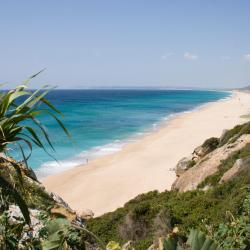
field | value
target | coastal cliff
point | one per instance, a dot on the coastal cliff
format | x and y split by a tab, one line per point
210	160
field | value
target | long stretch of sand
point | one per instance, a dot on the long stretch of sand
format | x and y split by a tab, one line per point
110	181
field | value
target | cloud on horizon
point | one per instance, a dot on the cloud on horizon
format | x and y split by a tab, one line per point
190	56
165	56
247	57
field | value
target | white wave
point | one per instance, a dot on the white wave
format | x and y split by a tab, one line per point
53	167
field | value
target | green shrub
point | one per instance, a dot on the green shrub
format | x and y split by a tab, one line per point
17	106
193	209
233	134
211	144
235	234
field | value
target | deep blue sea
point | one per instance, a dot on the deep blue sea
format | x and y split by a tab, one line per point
102	121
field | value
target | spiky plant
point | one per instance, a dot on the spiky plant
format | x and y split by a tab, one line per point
20	127
13	114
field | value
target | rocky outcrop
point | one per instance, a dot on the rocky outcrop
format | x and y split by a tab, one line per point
239	165
187	162
208	165
59	200
87	214
183	165
208	146
15	217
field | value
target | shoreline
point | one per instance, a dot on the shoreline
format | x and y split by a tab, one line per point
109	181
116	145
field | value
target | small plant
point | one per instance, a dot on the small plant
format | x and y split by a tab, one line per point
210	144
17	107
9	234
236	233
196	241
62	234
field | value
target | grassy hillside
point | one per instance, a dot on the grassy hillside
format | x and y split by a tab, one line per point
155	214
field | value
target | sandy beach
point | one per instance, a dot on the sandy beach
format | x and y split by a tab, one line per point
108	182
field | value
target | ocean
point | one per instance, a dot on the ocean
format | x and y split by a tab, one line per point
102	121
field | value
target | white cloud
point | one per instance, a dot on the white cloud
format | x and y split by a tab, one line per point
164	57
247	57
190	56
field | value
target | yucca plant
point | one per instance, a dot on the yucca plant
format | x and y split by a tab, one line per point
20	127
60	230
196	241
13	114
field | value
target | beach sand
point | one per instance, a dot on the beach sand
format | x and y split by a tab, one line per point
108	182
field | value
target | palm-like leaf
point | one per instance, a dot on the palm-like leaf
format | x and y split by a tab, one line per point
17	197
14	114
17	106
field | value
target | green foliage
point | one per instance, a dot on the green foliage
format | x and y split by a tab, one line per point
171	243
57	232
20	105
26	194
235	234
112	245
9	234
190	164
17	106
196	241
193	209
62	235
199	241
233	134
19	126
9	189
211	144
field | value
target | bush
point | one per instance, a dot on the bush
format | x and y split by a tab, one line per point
211	144
193	209
233	134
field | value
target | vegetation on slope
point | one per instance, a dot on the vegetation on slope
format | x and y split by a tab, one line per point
155	214
233	134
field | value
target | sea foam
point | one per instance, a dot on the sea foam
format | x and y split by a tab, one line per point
53	167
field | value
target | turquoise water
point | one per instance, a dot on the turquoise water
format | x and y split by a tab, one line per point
101	121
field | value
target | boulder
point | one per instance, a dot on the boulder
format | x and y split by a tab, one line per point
198	151
182	165
239	165
59	200
15	217
208	146
207	166
86	214
61	211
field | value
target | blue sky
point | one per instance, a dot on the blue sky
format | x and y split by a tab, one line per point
126	43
